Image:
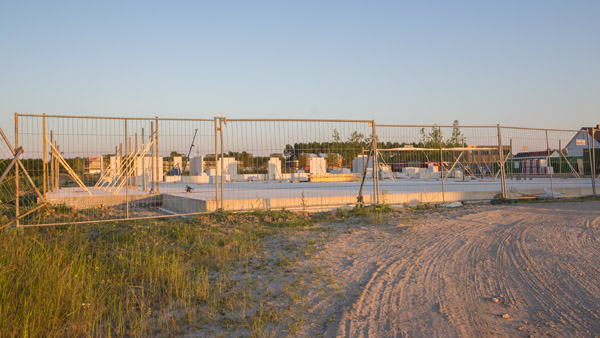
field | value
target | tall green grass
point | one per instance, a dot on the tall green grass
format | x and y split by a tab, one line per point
128	279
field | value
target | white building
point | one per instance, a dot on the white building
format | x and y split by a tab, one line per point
579	142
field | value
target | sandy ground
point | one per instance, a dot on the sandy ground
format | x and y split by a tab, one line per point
479	271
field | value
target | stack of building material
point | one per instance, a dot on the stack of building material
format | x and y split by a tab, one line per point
536	167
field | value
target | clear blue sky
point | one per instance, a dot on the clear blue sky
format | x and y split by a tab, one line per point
526	63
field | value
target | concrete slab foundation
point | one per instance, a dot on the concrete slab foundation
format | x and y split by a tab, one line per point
323	196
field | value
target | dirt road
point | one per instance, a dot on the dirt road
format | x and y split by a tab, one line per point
525	270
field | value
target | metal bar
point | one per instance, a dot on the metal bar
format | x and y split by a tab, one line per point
11	164
135	174
127	151
278	120
427	126
56	169
442	170
22	216
143	165
373	141
158	170
222	164
216	180
130	167
17	202
116	118
33	184
44	154
360	199
187	160
68	168
51	163
502	159
376	162
152	156
592	174
117	219
7	141
116	180
454	165
103	178
593	159
298	120
570	166
512	164
14	152
539	129
559	158
548	159
433	149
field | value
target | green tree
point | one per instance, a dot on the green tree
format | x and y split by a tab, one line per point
433	139
457	138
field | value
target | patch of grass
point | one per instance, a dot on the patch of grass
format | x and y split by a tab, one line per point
119	279
560	199
364	211
425	206
157	277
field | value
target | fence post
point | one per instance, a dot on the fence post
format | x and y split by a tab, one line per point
590	160
127	150
143	164
560	159
501	157
158	170
442	172
594	154
17	202
548	159
222	164
135	169
512	162
375	163
52	169
44	156
591	153
216	177
152	171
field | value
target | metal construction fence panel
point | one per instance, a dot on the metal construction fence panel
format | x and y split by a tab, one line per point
74	169
294	164
435	164
555	161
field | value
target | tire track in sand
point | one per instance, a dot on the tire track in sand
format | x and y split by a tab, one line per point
539	262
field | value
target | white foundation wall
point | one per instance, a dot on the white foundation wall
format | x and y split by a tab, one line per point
318	165
358	164
196	165
274	172
178	163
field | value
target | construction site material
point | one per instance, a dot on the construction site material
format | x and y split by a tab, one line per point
274	169
359	163
318	165
62	161
196	165
335	178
